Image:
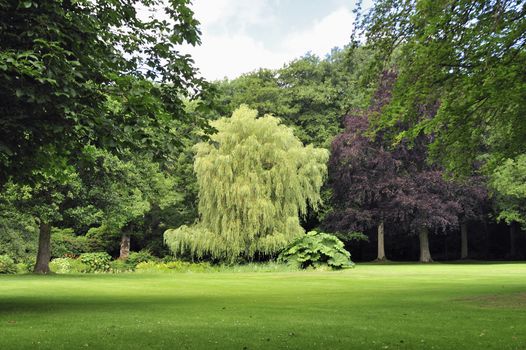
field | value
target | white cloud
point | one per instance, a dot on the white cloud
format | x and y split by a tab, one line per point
331	31
229	50
224	12
231	55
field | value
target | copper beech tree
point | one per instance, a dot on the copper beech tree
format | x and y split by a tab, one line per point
378	185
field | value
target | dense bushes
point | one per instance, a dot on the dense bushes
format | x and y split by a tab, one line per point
173	266
316	249
67	265
96	262
65	243
7	265
136	258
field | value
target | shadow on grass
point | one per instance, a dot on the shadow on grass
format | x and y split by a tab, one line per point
80	304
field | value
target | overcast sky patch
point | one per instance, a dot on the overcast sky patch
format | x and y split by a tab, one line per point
240	36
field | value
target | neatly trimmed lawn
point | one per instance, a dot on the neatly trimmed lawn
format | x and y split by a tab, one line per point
437	306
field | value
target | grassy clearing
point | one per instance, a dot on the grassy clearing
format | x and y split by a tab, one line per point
436	306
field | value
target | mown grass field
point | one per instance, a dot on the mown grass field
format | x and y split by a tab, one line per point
435	306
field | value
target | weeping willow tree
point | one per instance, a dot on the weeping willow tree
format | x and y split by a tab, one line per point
255	178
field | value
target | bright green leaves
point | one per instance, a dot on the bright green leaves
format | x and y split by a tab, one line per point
509	180
255	177
316	249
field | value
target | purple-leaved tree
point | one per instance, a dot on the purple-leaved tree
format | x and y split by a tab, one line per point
379	185
364	178
363	174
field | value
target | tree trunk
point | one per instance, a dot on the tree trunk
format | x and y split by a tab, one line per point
425	254
44	249
125	247
513	231
463	241
381	243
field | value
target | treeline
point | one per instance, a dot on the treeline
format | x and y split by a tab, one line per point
423	121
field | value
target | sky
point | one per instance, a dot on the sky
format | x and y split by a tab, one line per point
239	36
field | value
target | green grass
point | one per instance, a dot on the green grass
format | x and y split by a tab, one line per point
435	306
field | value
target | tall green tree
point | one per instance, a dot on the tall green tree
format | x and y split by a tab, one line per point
255	178
60	61
470	57
308	94
509	184
124	191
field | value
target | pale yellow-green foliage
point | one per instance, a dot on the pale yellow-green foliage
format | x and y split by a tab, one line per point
255	178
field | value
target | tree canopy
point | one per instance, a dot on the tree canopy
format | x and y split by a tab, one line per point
467	56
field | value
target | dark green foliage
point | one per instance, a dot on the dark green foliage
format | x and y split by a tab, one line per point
18	234
309	94
316	249
65	243
96	262
60	59
136	258
7	265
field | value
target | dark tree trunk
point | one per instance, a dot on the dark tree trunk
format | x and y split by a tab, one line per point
381	243
125	247
425	254
44	249
513	240
463	241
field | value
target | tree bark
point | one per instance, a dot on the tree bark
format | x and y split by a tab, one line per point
44	249
381	243
513	231
125	247
463	240
425	254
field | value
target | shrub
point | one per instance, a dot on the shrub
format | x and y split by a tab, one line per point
316	249
67	265
96	262
120	266
60	265
151	266
23	268
136	258
269	266
173	266
7	265
77	266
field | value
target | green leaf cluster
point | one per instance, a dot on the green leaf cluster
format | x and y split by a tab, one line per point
96	262
509	182
7	265
67	265
316	250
